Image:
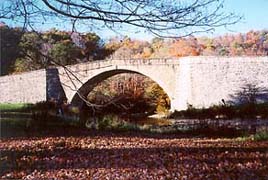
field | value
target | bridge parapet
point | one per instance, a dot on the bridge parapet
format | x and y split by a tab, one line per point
169	61
110	62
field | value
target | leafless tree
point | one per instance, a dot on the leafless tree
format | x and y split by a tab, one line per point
164	18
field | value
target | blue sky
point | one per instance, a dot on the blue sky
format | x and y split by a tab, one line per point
255	14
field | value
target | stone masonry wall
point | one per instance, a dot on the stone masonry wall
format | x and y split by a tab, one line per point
217	78
29	87
198	81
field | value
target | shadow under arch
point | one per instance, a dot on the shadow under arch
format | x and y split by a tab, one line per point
88	86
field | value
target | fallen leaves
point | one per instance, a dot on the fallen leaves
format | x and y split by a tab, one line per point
110	156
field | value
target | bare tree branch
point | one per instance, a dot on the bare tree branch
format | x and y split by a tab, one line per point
169	18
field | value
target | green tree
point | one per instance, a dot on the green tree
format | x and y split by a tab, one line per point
30	57
64	52
92	46
53	36
9	48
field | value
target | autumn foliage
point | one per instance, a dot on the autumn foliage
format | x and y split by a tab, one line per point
26	51
253	43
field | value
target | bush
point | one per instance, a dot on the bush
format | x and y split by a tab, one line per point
225	112
44	114
109	122
261	136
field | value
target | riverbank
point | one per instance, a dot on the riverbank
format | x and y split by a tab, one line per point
22	124
152	150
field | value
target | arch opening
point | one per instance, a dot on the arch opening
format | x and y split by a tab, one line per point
123	91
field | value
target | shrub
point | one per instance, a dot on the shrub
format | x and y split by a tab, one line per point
261	136
109	122
225	112
43	114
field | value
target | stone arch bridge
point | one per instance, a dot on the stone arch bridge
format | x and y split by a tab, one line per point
198	81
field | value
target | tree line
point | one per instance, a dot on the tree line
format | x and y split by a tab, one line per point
26	51
252	43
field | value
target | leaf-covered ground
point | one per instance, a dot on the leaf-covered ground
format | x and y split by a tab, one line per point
131	156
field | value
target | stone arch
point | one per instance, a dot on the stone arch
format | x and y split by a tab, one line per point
88	86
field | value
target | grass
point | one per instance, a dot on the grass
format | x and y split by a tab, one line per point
13	127
13	107
258	136
21	123
261	136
